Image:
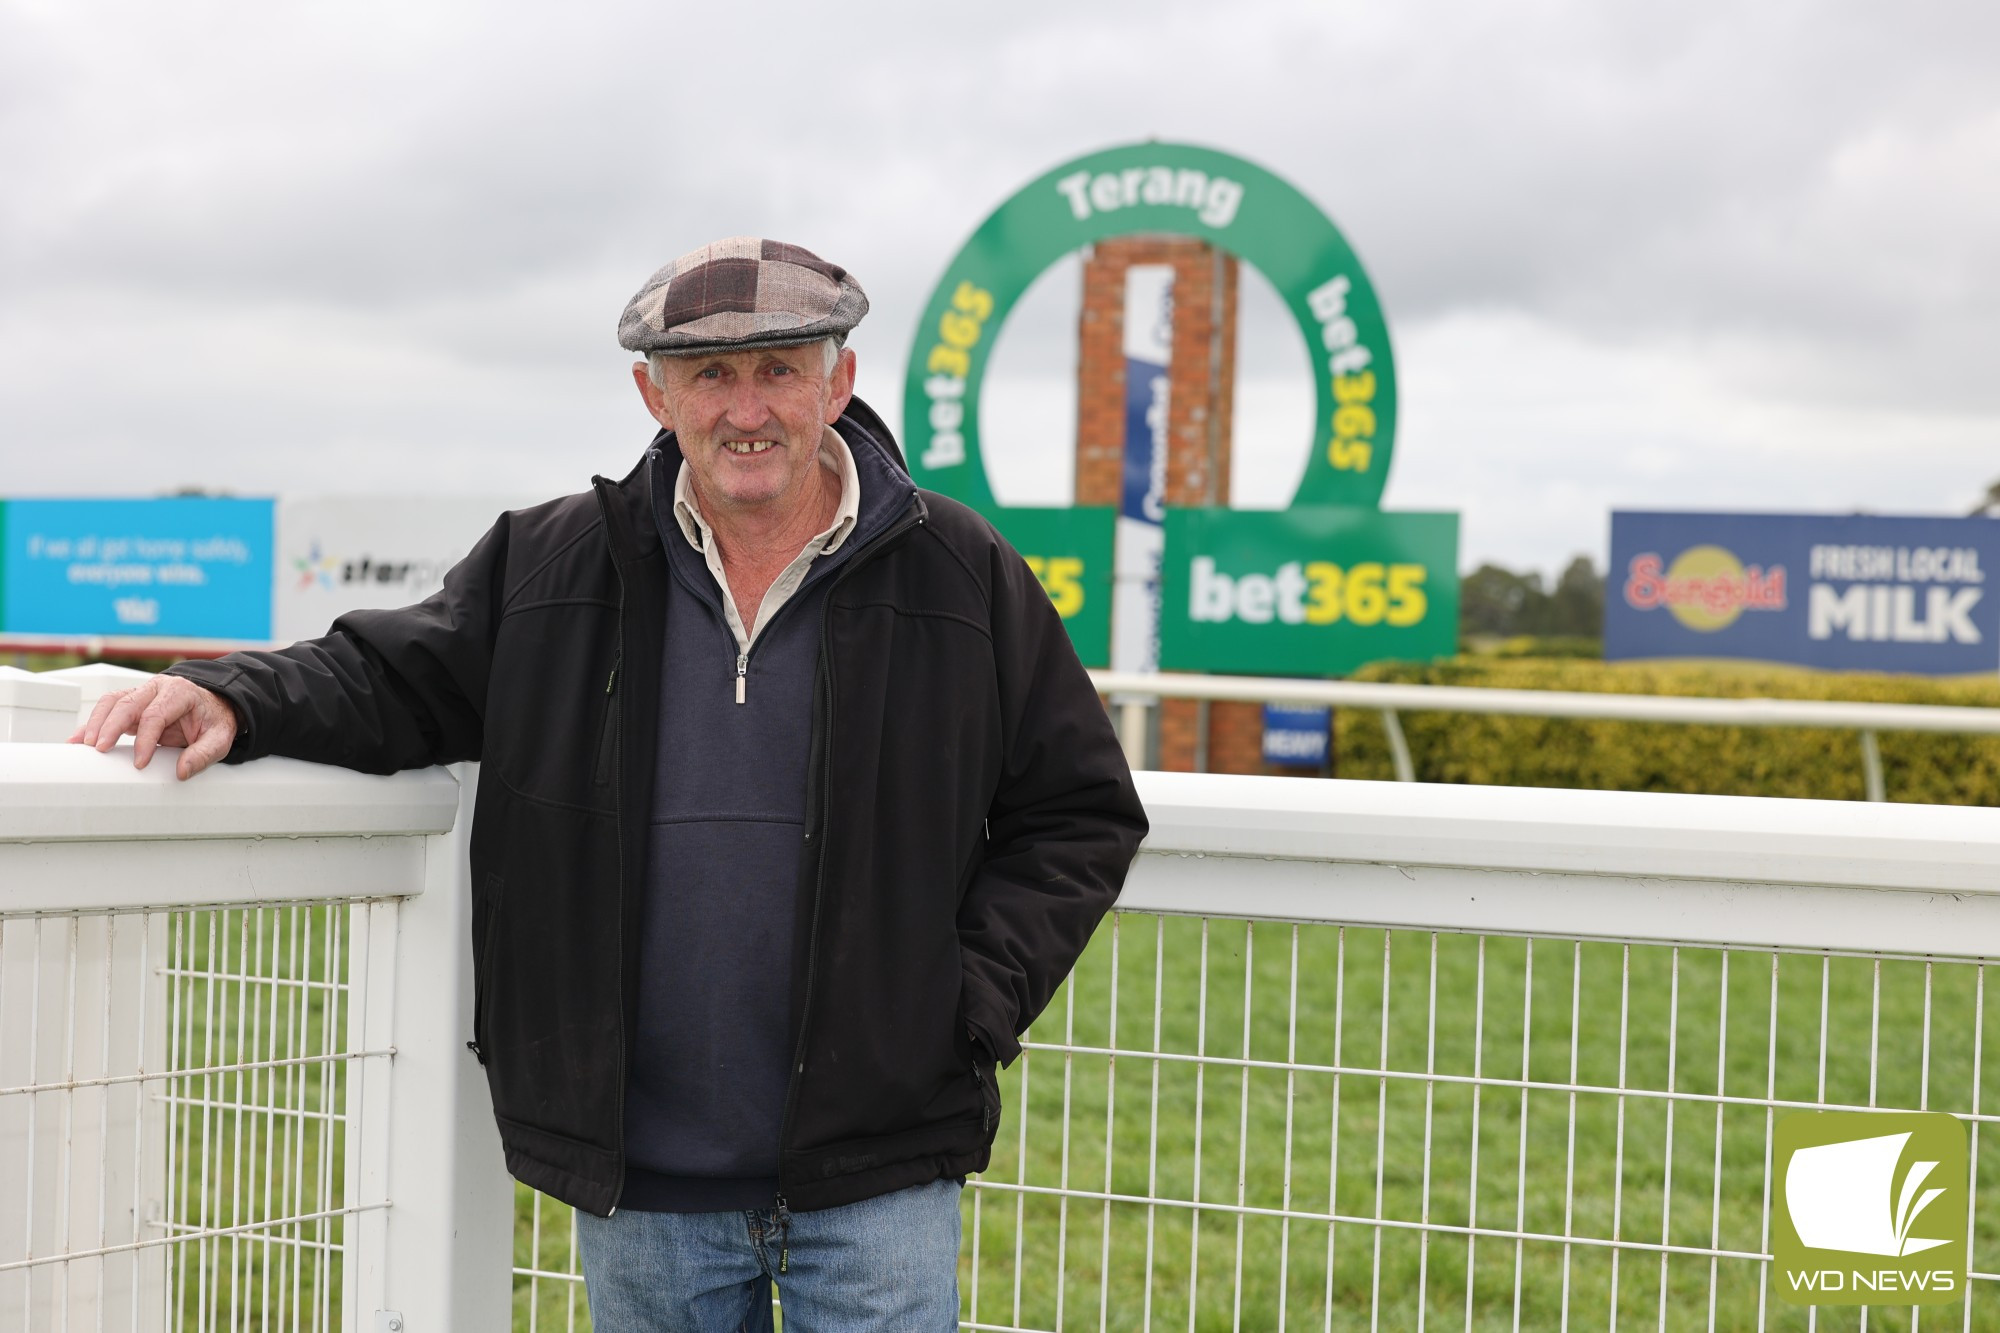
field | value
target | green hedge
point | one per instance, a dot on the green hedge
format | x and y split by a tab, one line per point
1942	769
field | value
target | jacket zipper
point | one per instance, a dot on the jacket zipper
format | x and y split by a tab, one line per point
823	726
743	657
985	1109
479	998
611	532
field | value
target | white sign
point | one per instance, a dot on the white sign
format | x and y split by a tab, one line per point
339	554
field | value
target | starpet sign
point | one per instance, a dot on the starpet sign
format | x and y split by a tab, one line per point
337	554
1143	573
1841	592
1873	1208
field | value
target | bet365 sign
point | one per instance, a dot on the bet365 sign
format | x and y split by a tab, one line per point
1325	586
1311	591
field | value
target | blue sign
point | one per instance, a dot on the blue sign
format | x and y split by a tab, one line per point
1138	538
1843	593
1296	737
178	568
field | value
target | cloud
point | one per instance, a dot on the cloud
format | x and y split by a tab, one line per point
237	242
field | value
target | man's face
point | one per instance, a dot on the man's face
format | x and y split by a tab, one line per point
749	422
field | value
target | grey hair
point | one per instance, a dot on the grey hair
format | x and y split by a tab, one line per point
656	361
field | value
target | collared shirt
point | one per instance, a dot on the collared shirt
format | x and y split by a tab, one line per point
834	455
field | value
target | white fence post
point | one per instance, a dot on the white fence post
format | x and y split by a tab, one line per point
1132	727
95	1157
448	1236
1871	767
95	680
372	951
96	861
35	709
1399	748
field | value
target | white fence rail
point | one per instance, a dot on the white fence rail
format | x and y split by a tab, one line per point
1133	691
214	1111
1349	1054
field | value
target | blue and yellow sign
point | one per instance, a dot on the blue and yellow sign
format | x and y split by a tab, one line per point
1857	592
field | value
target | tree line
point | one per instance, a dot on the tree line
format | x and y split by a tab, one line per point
1495	602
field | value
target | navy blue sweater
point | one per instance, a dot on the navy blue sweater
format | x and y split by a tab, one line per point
706	1095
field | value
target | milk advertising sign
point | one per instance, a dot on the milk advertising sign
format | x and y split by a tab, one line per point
1855	592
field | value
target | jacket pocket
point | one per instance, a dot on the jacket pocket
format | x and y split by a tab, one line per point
482	972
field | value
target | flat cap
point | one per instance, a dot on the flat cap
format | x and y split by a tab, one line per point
740	293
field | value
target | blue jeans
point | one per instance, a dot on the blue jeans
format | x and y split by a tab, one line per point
884	1265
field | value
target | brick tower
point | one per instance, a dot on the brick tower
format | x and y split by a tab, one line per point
1218	737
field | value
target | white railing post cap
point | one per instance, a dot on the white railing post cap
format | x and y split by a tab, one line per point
29	689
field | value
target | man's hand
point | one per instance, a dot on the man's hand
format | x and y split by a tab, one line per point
166	710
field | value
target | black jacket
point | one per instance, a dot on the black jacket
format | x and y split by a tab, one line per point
970	818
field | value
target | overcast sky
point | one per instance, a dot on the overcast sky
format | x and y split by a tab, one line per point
1741	255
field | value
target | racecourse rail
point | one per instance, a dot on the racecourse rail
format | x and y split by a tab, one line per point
1134	691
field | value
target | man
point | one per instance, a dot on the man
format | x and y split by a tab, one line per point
795	808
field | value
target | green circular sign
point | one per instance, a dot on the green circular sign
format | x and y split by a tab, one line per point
1180	190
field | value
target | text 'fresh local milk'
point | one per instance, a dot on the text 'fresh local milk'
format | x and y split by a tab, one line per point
1886	602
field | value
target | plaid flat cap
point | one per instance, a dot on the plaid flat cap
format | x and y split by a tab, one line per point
740	293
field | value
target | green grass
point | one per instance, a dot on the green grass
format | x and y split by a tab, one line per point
1281	1277
544	1243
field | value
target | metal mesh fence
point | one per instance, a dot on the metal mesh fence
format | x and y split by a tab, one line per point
173	1117
1227	1125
